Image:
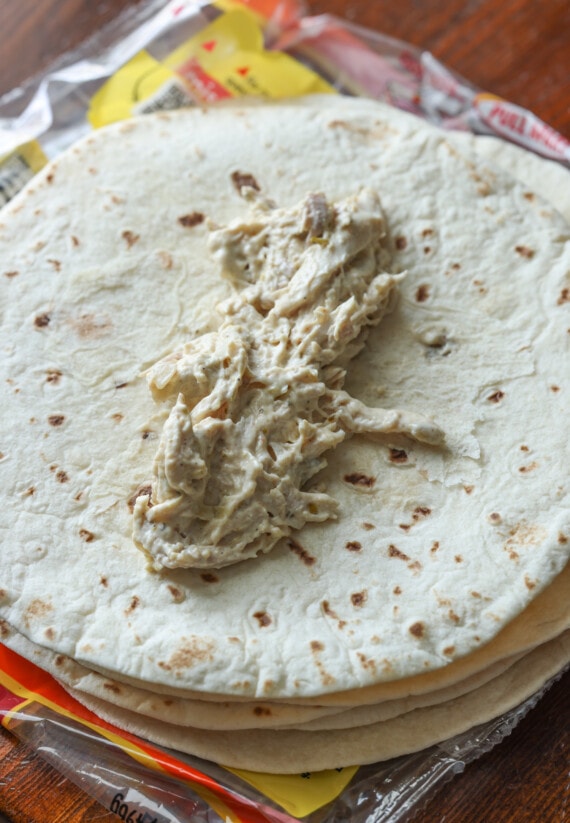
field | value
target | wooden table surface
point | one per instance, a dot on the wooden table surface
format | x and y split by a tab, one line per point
518	49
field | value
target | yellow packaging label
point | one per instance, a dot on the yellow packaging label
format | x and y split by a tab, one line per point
226	59
19	166
230	50
135	82
300	794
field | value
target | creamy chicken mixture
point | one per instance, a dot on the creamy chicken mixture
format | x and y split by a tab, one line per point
259	401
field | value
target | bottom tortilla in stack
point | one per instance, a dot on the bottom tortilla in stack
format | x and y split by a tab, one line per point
415	585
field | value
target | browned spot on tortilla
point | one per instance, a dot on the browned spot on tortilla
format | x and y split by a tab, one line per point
458	558
398	456
415	566
401	242
103	581
86	535
177	594
89	326
530	584
143	491
78	496
60	660
326	607
397	590
56	264
453	616
526	534
353	546
475	594
562	538
528	195
358	599
301	552
11	274
208	577
53	376
192	219
496	397
117	417
121	385
367	662
394	551
422	293
564	297
417	629
359	479
42	320
165	259
74	240
238	685
234	640
524	251
368	526
405	526
4	629
468	489
130	237
56	419
262	711
190	651
112	687
37	609
263	618
241	179
449	650
427	249
50	633
421	512
427	232
528	468
555	388
135	600
30	491
326	678
61	476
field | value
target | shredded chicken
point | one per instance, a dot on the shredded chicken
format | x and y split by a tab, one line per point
259	401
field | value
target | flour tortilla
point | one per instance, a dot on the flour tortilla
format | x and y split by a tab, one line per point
94	291
232	716
546	617
294	751
547	178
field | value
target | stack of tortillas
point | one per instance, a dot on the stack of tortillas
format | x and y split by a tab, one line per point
438	598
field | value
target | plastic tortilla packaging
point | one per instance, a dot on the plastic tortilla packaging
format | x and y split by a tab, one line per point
164	56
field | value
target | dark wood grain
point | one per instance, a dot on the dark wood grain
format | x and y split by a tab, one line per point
517	49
